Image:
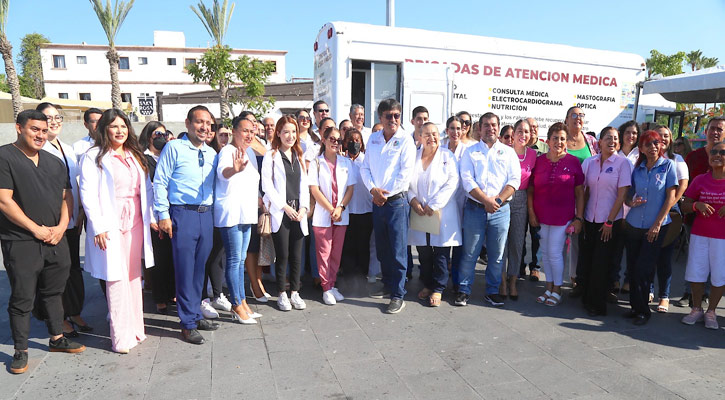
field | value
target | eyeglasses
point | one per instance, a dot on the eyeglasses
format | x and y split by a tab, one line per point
302	118
654	142
335	141
160	133
392	116
714	152
466	122
575	115
323	110
58	118
201	158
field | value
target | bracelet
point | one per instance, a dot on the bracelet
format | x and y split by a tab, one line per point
607	224
694	209
580	219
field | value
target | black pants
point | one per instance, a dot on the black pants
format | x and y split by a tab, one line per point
34	267
75	291
641	263
618	253
288	241
163	283
214	267
593	266
434	265
356	249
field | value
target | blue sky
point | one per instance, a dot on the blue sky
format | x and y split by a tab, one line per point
628	26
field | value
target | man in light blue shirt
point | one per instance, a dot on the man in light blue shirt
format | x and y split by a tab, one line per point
183	196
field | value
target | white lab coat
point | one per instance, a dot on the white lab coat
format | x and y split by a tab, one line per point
275	193
442	185
321	175
73	170
99	201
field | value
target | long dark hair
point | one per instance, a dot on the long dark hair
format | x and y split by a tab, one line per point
104	143
326	134
144	139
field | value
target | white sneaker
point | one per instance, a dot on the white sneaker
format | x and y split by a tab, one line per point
221	303
207	310
297	301
337	294
283	302
328	297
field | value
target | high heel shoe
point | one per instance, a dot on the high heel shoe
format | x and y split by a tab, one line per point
255	315
248	321
265	296
76	326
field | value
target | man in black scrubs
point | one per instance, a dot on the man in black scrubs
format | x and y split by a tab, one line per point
35	202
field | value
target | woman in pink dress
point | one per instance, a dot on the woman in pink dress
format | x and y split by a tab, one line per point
117	197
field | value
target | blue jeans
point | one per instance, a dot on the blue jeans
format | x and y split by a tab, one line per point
390	223
479	227
191	244
236	242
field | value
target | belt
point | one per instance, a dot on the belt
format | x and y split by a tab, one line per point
396	196
194	207
475	203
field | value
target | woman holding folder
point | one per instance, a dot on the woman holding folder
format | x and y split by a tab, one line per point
435	222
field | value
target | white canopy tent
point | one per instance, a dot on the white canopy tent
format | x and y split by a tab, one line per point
703	86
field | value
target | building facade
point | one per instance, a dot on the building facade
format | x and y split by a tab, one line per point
81	71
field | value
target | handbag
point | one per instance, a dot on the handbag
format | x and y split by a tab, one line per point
266	251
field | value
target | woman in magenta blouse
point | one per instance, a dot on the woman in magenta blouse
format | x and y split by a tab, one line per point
607	177
556	203
514	251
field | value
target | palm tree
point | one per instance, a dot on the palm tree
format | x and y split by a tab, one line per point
216	21
7	51
709	62
111	20
694	58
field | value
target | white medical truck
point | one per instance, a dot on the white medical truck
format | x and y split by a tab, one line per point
447	73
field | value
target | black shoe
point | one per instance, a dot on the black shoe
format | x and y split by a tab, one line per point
461	299
514	297
612	298
20	362
395	306
578	291
206	325
83	328
71	334
640	319
380	294
630	314
63	345
192	336
483	258
495	299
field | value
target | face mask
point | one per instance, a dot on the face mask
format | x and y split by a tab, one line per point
353	147
159	143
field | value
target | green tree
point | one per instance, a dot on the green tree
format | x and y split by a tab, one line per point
4	84
659	63
111	20
216	21
31	82
217	68
7	52
694	58
709	62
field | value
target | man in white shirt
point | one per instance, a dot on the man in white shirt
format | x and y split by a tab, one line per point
90	120
420	117
386	173
490	173
357	117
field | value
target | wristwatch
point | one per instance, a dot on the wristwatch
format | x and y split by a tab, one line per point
580	219
609	222
343	207
499	201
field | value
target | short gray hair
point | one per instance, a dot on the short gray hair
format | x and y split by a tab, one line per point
355	107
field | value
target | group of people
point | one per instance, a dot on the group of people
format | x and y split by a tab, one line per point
218	201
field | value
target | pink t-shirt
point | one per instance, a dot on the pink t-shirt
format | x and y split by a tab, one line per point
603	183
554	183
527	162
711	191
334	181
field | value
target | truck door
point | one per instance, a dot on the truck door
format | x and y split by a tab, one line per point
428	85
